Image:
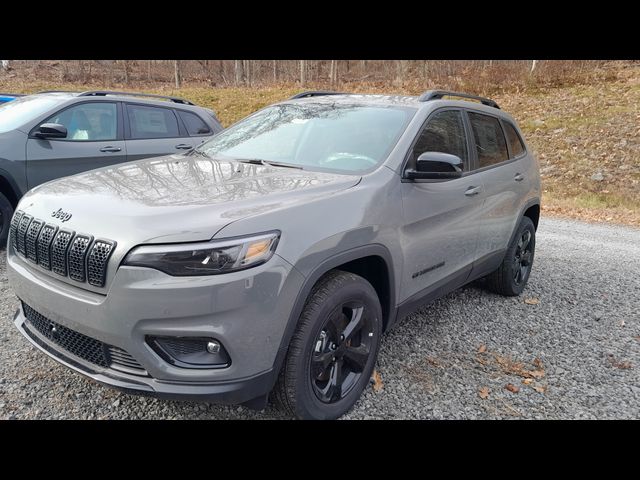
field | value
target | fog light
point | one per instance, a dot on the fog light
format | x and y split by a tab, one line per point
191	352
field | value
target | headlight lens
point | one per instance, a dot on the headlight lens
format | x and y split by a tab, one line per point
206	258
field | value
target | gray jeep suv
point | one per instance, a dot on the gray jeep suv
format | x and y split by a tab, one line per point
54	134
272	258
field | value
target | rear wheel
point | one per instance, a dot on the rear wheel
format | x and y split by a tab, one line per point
6	212
333	350
512	275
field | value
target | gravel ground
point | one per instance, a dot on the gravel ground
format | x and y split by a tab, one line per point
569	347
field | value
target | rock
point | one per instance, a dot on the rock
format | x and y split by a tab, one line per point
116	403
597	177
547	169
537	123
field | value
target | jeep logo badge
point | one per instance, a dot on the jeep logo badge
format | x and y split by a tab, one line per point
64	216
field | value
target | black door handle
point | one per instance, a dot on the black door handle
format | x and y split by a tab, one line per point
518	177
472	191
184	146
110	149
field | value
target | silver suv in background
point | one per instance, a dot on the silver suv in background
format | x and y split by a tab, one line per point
54	134
271	258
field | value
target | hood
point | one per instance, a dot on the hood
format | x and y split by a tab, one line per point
173	199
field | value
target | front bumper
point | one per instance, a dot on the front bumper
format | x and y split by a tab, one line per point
246	311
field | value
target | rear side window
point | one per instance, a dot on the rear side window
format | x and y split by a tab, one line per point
490	143
195	125
152	122
515	142
444	133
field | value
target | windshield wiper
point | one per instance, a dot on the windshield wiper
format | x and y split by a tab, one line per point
259	161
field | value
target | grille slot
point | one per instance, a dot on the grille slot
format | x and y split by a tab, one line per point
13	229
89	349
31	239
76	257
97	262
59	249
44	245
22	231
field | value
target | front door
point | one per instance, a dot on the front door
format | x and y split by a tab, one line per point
94	139
441	217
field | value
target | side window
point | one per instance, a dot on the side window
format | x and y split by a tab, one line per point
443	133
490	143
515	142
152	122
88	121
195	125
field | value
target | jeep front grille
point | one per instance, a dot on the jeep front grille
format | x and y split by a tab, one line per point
89	349
77	256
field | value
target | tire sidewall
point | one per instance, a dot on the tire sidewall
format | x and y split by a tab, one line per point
525	224
308	405
7	213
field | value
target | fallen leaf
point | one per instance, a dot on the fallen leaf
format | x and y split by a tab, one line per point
512	388
537	373
539	388
377	381
538	363
618	364
527	381
483	393
621	323
637	337
532	301
482	349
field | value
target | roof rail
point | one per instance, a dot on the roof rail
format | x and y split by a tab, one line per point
102	93
57	91
438	94
314	93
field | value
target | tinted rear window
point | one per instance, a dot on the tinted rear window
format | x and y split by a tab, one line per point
195	125
152	122
515	142
490	143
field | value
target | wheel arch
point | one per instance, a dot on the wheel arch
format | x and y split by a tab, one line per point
9	188
373	262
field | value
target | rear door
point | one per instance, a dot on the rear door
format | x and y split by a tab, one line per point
152	131
94	139
441	217
501	166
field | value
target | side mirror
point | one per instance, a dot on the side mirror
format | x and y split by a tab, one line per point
51	130
437	165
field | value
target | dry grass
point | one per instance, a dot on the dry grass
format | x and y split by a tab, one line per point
576	131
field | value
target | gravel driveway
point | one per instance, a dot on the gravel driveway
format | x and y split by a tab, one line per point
569	347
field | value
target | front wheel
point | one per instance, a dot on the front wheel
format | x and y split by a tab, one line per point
513	273
333	350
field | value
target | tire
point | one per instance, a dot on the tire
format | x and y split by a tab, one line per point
6	212
327	388
513	273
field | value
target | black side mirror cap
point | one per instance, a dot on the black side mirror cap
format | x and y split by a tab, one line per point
437	166
51	130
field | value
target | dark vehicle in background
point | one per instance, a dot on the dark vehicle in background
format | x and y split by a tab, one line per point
7	97
55	134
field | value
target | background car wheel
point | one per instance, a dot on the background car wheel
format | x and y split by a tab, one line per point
512	275
333	350
6	212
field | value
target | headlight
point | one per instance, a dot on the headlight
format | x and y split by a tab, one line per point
206	258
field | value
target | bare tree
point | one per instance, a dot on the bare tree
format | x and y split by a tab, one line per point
238	72
303	72
177	72
275	71
533	66
5	65
333	73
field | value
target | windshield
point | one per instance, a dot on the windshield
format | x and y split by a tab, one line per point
24	109
336	137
